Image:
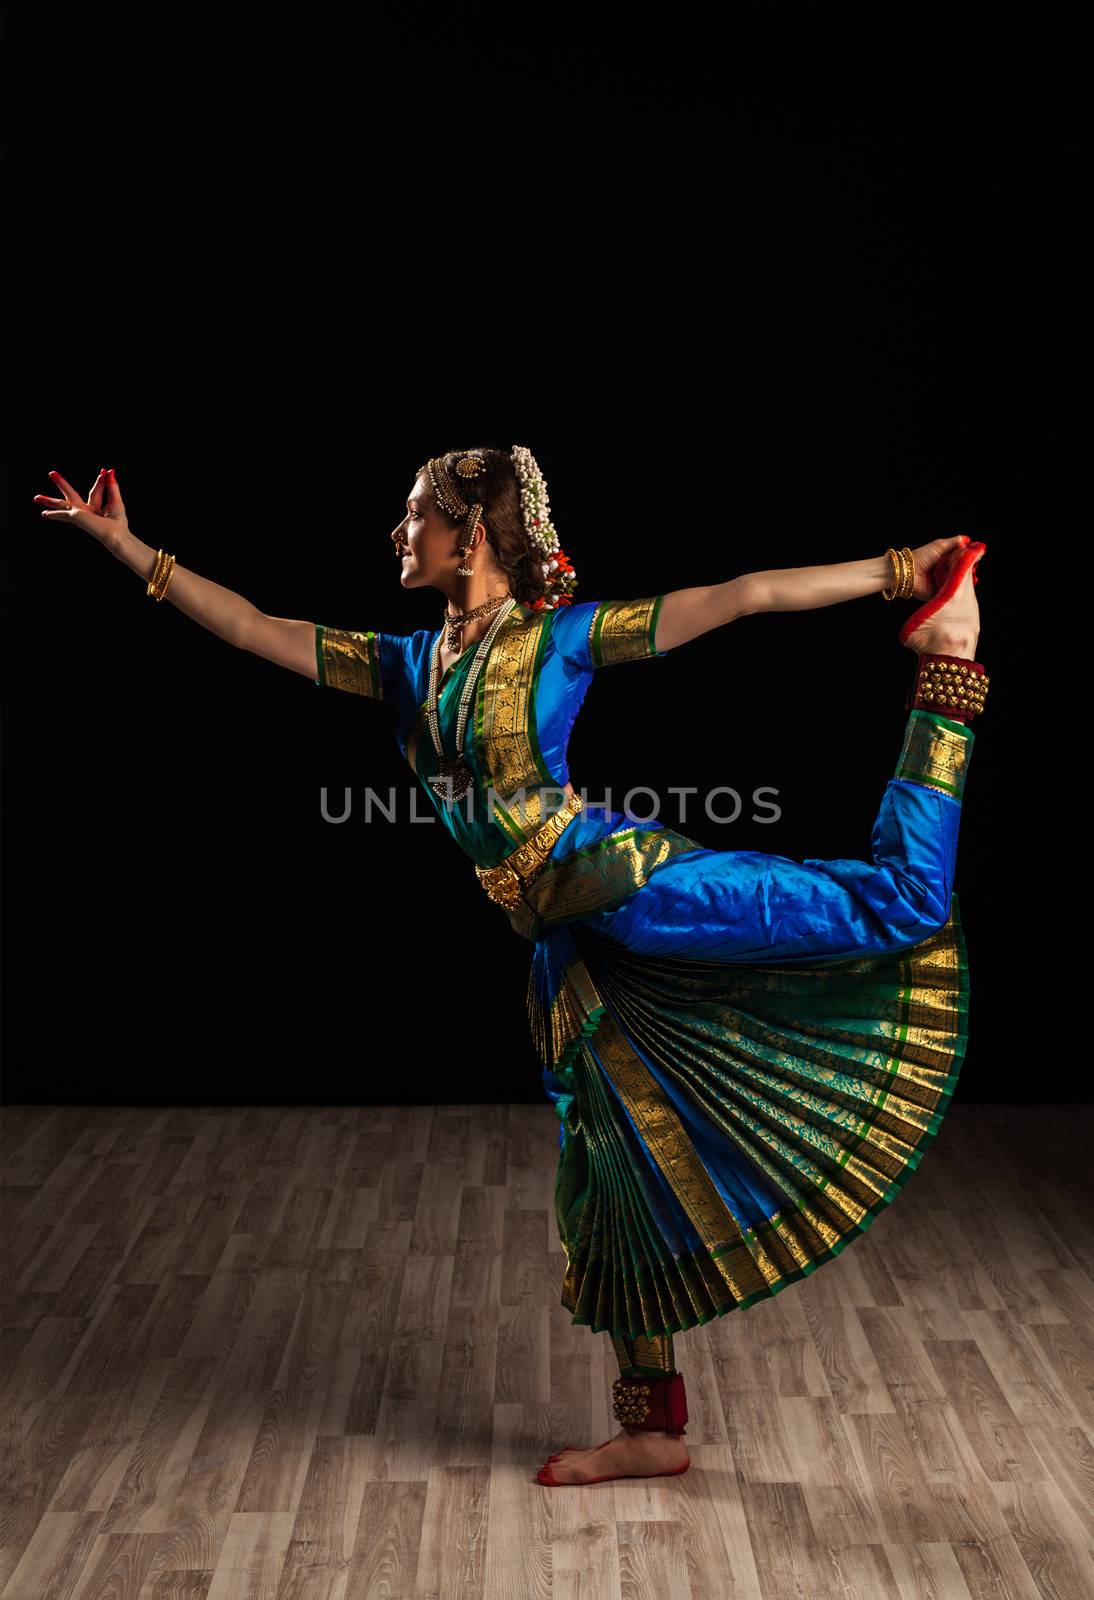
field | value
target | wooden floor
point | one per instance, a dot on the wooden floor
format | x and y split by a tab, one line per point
317	1354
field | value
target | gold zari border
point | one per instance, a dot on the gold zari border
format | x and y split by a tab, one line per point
935	755
574	1011
591	880
622	630
651	1353
509	758
352	661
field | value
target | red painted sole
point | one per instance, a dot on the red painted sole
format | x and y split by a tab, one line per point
955	573
551	1482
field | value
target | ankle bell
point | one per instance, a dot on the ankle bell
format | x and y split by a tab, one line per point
953	686
656	1405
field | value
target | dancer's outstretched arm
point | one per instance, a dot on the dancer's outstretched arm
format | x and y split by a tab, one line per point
231	616
687	613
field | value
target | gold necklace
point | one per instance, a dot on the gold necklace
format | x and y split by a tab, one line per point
455	624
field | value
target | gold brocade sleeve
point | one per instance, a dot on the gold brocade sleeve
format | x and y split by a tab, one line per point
936	752
624	630
348	660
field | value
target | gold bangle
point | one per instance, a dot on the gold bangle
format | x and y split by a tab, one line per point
909	593
903	585
161	561
167	580
161	576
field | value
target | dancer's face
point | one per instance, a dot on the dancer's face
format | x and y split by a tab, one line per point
425	544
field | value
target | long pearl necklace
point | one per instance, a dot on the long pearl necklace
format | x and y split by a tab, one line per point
454	769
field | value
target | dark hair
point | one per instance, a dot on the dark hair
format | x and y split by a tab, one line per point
497	490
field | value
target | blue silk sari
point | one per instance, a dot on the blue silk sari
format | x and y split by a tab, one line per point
748	1055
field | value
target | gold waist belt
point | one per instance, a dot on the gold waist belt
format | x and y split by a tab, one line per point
506	882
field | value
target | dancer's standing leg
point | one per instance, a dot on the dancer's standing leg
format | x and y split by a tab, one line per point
651	1357
649	1402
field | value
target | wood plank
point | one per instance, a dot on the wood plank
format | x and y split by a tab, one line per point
320	1351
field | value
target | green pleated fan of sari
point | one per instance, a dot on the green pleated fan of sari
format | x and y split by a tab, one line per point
730	1128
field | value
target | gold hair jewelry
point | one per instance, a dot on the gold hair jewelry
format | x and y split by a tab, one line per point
559	577
445	494
903	585
161	576
469	466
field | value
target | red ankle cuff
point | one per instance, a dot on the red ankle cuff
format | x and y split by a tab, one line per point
952	686
658	1405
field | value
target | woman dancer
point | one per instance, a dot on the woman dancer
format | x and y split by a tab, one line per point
748	1054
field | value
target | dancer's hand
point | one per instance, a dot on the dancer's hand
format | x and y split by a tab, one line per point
927	556
102	514
949	622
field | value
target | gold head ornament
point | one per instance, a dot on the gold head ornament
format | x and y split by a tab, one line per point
559	577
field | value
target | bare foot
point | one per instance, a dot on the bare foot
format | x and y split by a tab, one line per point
642	1453
954	628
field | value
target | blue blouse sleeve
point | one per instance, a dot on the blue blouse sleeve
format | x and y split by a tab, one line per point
600	633
367	663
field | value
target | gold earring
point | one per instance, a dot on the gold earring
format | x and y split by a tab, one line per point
464	571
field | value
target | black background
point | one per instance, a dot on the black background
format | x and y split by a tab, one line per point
757	301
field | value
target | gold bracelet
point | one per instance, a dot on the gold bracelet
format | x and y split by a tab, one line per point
167	580
903	585
161	576
156	570
159	571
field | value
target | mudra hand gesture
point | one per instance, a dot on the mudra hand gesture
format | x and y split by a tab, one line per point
945	572
927	557
101	514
